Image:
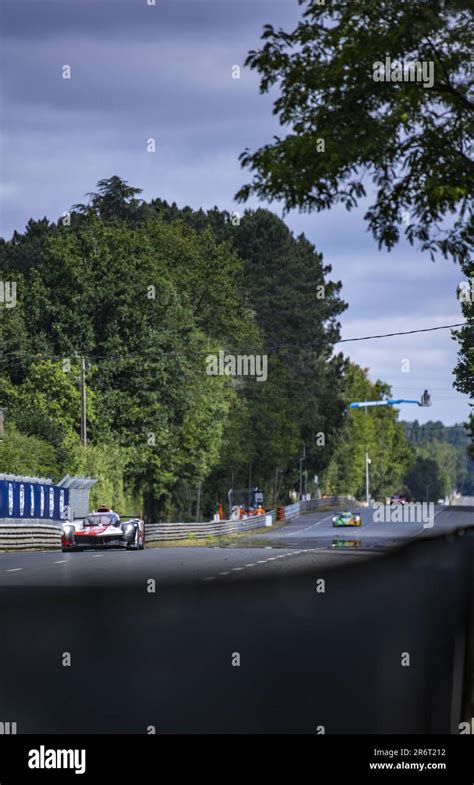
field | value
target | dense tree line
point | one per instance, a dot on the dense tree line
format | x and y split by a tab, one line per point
145	292
379	430
443	463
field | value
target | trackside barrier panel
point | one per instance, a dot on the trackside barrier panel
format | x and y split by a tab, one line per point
31	512
28	499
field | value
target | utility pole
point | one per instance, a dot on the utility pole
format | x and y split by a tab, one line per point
302	458
198	503
425	400
367	493
367	461
250	486
83	403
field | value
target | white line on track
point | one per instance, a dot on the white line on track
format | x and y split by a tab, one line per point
15	569
297	531
254	564
423	528
261	561
63	561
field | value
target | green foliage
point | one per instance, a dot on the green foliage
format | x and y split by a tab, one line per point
27	455
408	143
425	480
146	301
117	293
389	451
107	463
448	446
413	141
45	405
464	370
113	201
146	292
295	306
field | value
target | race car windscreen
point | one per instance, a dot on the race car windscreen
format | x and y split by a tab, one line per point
101	520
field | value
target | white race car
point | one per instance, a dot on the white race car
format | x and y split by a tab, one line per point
103	529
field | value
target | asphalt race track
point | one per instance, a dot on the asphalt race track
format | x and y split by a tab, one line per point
293	630
302	543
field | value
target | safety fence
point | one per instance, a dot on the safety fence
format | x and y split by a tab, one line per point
183	531
300	508
38	534
35	534
156	532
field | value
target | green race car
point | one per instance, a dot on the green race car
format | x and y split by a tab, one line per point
346	519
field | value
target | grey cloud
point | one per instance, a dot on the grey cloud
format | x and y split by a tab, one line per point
134	19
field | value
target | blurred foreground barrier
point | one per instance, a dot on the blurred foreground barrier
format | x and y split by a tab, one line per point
404	620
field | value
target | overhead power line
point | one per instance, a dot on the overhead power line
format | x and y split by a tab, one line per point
239	350
405	332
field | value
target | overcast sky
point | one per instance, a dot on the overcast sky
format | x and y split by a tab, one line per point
165	71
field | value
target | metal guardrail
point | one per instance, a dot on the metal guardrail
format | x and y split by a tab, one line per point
299	508
156	532
17	534
291	510
30	535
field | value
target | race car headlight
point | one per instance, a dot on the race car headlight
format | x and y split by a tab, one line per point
68	532
129	529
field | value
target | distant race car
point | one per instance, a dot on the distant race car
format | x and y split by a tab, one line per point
103	529
397	498
346	519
